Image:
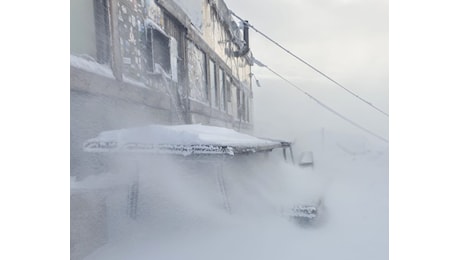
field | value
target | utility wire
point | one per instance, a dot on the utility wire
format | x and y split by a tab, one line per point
309	65
321	103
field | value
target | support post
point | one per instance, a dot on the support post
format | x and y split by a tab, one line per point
221	183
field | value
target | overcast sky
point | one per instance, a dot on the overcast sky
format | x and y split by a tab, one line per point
345	39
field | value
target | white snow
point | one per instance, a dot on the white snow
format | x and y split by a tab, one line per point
160	71
179	138
183	221
87	63
101	182
306	158
135	82
150	22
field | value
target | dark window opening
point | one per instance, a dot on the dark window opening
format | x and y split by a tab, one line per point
223	89
228	84
157	50
247	109
238	103
213	84
101	18
243	110
174	28
205	73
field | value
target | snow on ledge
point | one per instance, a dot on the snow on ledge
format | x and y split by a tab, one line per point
135	82
148	22
87	63
178	139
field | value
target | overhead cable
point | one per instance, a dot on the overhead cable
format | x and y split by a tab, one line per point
321	103
311	66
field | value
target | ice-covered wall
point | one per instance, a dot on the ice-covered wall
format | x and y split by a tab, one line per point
197	31
121	93
197	73
154	12
131	37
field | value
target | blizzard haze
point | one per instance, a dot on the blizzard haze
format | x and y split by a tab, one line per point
346	40
181	214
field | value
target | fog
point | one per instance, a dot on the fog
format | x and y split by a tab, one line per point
182	211
345	39
182	215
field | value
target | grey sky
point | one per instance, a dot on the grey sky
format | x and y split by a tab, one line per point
346	39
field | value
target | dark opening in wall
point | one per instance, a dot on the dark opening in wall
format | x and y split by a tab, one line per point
157	50
214	85
223	90
238	103
176	30
102	24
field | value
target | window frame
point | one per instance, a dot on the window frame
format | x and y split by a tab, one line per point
213	83
156	44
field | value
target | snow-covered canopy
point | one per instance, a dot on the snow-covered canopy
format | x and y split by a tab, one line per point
179	139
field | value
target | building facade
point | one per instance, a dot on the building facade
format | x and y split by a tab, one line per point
137	62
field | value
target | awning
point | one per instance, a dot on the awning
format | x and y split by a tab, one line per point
180	140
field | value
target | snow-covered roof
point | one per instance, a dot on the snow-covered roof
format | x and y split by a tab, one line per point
179	139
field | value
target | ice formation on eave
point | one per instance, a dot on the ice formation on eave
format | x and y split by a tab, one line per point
178	139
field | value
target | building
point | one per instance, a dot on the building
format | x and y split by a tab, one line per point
137	62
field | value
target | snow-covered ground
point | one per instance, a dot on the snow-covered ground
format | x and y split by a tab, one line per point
180	214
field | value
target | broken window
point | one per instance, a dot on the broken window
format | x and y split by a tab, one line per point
157	50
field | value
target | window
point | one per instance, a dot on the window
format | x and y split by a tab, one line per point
243	109
101	18
223	90
157	50
238	103
228	84
213	84
90	29
247	109
242	105
197	73
177	32
204	78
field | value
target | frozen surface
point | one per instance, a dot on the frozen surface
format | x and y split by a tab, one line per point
178	136
197	73
135	82
89	64
155	26
181	217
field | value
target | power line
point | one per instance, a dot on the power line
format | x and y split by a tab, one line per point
321	103
311	66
